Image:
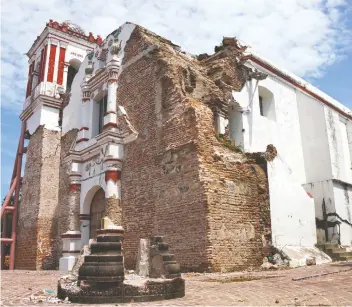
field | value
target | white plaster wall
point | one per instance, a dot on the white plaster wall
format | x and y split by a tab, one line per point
284	132
34	121
346	167
73	52
322	190
314	138
292	210
235	127
45	116
337	145
71	119
343	204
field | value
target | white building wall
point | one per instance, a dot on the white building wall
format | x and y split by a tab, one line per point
315	143
343	203
292	210
338	146
70	119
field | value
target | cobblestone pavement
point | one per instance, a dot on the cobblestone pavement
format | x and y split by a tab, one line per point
272	288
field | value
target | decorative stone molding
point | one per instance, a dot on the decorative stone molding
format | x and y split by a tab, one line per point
84	217
75	187
71	241
85	92
113	175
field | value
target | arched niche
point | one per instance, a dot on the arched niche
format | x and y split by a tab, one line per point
266	103
74	65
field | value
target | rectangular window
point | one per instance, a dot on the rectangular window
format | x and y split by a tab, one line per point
102	110
261	105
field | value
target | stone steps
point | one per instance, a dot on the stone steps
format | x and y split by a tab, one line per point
336	252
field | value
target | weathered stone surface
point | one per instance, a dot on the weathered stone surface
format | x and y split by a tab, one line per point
38	234
113	210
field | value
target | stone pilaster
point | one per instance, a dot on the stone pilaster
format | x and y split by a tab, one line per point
83	134
71	239
110	118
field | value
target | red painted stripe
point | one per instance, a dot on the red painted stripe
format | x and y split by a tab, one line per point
42	63
60	75
295	83
51	63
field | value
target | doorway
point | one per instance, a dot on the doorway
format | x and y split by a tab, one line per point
97	212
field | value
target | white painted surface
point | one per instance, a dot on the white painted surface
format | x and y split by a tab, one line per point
66	262
314	138
85	228
71	119
292	210
338	148
45	116
343	206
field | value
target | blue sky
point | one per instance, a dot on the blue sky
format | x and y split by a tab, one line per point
311	38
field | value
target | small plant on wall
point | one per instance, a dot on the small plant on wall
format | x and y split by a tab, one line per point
224	139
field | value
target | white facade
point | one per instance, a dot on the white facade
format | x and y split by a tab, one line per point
313	135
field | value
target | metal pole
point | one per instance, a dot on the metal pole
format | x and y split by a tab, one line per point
8	196
17	193
3	235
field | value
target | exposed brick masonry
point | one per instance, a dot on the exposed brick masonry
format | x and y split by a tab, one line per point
38	234
177	179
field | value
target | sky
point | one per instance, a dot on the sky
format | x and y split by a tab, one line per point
311	38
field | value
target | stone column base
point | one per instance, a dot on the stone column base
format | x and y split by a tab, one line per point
70	250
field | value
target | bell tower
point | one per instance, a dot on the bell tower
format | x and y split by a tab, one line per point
54	59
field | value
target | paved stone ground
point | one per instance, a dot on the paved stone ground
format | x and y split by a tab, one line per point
273	288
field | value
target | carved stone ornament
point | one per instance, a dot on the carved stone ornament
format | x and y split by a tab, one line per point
110	42
115	49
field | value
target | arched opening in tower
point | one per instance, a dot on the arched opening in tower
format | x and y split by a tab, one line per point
71	73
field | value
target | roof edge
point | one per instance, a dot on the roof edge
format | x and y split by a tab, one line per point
301	84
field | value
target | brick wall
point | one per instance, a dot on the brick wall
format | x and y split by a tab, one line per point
161	193
38	236
26	241
177	179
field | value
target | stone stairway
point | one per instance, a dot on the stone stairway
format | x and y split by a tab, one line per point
335	251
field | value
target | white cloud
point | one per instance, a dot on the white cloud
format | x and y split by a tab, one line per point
303	36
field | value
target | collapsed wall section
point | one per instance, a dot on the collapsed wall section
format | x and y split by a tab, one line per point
178	180
161	192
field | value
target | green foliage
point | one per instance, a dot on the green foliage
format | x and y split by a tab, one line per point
228	143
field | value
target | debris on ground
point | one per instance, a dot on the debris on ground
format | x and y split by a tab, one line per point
269	266
46	296
311	261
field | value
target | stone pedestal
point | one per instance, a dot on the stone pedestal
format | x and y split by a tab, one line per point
105	263
71	249
162	263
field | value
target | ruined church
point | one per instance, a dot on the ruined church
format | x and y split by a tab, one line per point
224	154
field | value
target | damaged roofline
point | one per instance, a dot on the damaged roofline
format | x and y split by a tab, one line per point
296	82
